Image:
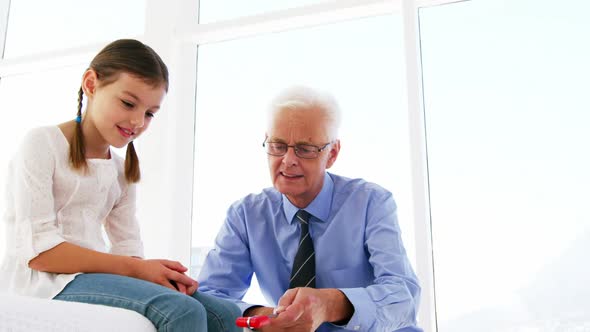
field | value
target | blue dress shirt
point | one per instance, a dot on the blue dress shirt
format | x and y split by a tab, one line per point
358	250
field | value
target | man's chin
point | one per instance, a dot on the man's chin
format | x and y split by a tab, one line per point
286	189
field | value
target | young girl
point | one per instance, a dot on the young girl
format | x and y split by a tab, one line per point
65	184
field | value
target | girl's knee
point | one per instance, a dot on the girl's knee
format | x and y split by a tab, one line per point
197	313
184	314
233	310
221	314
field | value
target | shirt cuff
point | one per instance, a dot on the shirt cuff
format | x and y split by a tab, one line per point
45	241
365	309
35	237
245	306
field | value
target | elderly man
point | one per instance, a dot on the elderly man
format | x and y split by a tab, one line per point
326	249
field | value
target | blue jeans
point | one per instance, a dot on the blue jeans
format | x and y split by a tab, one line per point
168	310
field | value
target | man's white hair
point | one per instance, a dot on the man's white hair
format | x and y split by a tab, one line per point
300	97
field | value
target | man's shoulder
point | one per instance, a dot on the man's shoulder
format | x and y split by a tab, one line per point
346	185
252	200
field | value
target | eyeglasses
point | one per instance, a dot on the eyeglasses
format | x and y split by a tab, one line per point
305	151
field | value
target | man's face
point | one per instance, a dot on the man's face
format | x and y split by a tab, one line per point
300	179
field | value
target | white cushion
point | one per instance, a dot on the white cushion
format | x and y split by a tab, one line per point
21	313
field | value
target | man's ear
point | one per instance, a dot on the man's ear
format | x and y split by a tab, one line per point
333	154
89	82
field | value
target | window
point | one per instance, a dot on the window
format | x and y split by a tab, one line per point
506	113
38	26
374	120
218	10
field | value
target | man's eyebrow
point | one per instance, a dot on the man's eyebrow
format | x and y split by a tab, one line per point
304	143
279	140
273	139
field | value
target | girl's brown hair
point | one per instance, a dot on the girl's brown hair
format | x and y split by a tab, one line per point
123	55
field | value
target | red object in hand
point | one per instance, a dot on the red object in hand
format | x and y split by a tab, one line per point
254	322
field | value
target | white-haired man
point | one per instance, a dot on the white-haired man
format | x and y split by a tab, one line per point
326	249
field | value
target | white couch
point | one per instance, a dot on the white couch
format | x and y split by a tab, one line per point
27	314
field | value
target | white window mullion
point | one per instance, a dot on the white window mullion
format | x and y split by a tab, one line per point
48	60
432	3
288	19
4	7
167	156
424	255
183	81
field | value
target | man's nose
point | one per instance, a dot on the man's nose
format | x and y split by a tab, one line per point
290	158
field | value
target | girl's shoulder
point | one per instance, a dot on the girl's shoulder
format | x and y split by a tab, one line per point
42	138
39	146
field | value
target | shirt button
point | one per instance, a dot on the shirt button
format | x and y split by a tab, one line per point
358	327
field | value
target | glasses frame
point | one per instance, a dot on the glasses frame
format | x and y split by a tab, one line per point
295	148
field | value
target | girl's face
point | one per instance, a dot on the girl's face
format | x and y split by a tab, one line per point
121	110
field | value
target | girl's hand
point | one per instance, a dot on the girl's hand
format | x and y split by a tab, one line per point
162	272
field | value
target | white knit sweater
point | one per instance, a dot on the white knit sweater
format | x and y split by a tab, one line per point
49	203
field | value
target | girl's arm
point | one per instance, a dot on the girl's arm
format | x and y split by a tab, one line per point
70	258
39	242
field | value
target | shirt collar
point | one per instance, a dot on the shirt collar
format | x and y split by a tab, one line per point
319	208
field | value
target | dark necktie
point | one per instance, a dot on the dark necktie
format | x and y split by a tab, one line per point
303	272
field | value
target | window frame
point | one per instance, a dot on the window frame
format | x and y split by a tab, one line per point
4	8
172	29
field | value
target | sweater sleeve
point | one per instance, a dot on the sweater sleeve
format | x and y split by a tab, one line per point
31	181
122	226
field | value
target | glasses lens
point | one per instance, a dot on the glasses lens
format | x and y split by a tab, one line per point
306	151
276	149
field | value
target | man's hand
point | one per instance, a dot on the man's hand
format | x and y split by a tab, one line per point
305	309
300	309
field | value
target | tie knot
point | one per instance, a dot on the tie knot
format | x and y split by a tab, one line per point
303	216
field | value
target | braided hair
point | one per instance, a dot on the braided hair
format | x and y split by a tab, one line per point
123	55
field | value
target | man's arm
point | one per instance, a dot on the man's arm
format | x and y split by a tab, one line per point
227	270
391	303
